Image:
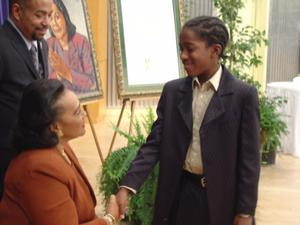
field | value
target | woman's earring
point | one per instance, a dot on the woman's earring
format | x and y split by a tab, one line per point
59	133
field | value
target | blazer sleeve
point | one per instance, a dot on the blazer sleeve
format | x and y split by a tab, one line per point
47	201
1	68
249	156
148	154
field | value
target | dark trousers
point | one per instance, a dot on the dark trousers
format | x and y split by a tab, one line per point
6	155
190	206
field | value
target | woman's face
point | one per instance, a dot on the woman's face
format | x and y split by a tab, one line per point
71	118
58	23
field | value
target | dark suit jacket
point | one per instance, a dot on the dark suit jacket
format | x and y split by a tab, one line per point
16	71
41	188
229	137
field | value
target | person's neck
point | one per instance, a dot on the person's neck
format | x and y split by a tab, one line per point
61	150
203	78
18	28
64	42
61	144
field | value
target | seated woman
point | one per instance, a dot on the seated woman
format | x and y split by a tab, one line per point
44	184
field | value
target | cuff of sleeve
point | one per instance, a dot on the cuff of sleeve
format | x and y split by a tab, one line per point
129	188
244	215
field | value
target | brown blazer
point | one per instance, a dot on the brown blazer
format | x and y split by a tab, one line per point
41	188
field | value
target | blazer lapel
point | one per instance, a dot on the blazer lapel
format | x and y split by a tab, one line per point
216	106
214	109
74	159
21	48
185	96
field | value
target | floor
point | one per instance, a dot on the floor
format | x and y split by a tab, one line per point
279	188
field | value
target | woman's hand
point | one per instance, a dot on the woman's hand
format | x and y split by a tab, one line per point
113	207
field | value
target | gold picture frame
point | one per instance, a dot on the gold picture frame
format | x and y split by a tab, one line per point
139	68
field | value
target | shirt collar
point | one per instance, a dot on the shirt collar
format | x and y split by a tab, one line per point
214	80
27	42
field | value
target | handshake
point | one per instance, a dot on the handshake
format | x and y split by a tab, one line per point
117	206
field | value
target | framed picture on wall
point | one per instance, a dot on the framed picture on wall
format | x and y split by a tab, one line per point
72	56
145	37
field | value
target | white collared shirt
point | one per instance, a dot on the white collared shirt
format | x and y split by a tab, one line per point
202	95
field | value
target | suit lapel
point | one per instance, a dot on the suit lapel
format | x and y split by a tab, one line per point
216	106
185	96
21	48
214	109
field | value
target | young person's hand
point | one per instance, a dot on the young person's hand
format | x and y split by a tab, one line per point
123	201
241	220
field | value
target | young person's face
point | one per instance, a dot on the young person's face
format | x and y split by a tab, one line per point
32	17
58	23
198	58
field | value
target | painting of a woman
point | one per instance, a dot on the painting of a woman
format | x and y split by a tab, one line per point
70	58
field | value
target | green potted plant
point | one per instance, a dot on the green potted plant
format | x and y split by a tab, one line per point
240	57
272	128
116	164
241	52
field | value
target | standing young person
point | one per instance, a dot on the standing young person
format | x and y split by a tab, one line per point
205	138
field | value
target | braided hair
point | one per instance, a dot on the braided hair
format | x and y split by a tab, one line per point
210	29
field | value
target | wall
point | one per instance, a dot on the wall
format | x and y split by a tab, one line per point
98	17
261	22
256	14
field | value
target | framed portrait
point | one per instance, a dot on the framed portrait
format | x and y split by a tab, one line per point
72	55
145	40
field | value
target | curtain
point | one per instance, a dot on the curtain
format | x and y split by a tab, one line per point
3	10
283	62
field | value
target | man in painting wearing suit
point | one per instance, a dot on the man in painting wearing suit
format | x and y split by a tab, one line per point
23	59
205	138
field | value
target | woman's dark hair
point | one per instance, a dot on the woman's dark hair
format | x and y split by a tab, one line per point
210	29
38	109
71	28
